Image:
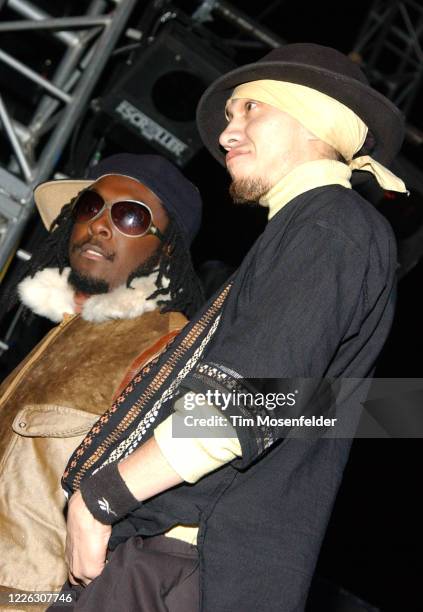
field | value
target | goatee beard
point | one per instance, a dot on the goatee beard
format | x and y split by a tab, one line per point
248	191
86	284
94	286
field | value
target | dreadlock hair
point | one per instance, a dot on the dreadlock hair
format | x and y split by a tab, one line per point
172	260
175	266
52	253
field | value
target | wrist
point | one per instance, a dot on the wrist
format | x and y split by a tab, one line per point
107	496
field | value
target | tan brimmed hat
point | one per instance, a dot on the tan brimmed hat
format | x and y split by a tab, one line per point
51	196
177	194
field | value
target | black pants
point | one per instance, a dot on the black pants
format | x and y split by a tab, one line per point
157	574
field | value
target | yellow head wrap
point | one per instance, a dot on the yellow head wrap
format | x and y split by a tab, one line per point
329	120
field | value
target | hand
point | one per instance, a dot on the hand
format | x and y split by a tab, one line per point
86	542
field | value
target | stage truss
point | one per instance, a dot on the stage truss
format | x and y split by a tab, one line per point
86	43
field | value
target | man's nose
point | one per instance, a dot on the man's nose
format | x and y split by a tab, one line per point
101	225
231	135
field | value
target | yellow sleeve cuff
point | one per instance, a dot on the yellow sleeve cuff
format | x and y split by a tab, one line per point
194	457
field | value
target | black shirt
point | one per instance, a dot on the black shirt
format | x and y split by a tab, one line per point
313	298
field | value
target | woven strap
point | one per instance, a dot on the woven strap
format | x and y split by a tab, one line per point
141	360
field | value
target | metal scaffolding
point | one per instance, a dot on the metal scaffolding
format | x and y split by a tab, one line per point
208	10
390	47
86	43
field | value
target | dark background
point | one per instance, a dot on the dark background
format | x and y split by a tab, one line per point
374	540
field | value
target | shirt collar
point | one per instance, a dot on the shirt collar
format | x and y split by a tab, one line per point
302	178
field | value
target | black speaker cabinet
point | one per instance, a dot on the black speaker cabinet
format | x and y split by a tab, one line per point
156	99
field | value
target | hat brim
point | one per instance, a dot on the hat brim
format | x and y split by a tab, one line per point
50	197
383	119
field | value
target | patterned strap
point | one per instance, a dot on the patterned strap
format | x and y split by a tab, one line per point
145	399
141	360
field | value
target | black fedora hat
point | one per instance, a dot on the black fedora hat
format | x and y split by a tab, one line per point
321	68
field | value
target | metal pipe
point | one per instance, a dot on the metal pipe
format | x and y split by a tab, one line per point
44	112
4	346
21	131
47	125
97	7
63	76
47	105
33	76
63	79
55	24
26	9
14	141
23	255
246	24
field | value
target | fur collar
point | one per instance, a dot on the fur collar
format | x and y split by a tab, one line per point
49	294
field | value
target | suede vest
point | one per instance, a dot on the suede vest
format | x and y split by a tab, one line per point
47	405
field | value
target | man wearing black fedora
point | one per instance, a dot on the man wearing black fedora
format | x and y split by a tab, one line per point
312	301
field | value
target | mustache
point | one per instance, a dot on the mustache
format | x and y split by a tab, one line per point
77	246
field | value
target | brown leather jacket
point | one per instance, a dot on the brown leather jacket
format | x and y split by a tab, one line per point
46	407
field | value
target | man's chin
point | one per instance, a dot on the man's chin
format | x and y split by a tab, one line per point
248	190
89	285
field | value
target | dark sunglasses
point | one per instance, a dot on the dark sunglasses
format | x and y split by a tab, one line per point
130	217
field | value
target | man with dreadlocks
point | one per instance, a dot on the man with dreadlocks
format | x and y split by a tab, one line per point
116	275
